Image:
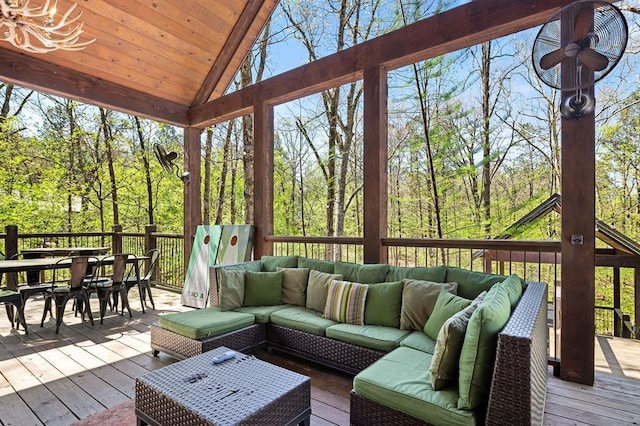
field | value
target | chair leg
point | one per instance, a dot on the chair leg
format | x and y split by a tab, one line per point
61	302
85	300
103	296
47	308
125	299
115	300
21	319
10	315
147	289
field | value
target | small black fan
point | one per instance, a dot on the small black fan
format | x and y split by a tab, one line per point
595	39
166	160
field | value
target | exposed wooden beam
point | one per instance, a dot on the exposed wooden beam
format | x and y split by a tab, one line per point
455	29
37	74
231	48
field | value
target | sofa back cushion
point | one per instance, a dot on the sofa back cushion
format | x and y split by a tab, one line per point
418	300
294	285
317	289
479	348
431	273
345	302
471	283
221	278
231	289
365	274
316	264
271	263
262	288
383	305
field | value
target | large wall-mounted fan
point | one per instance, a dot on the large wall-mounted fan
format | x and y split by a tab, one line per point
593	39
166	160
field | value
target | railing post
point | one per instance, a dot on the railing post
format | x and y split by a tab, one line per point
150	243
11	243
116	239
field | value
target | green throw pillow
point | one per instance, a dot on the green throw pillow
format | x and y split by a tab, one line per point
294	285
345	302
366	274
446	306
478	353
262	288
446	355
418	300
317	289
231	289
271	263
316	264
384	302
513	287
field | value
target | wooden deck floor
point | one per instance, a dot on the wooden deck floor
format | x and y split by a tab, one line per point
58	379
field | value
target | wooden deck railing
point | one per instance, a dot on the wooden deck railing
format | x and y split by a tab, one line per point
531	260
170	268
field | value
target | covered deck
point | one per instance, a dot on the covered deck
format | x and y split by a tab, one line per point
84	371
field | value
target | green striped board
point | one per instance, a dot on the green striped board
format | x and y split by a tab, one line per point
198	279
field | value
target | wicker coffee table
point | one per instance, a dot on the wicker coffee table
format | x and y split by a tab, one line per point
243	390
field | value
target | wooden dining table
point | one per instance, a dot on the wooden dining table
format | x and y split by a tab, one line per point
64	251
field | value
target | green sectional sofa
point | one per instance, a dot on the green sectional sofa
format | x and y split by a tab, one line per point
427	345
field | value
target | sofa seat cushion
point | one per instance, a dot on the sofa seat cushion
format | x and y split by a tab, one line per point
370	336
420	341
303	319
207	322
400	380
262	313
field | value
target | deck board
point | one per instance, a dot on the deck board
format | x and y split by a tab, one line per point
58	379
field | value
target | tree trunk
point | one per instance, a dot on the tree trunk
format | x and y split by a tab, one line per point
108	144
147	170
485	71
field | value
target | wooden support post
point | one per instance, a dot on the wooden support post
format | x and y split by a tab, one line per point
578	249
116	239
636	298
616	300
263	178
192	200
11	241
375	164
578	228
151	242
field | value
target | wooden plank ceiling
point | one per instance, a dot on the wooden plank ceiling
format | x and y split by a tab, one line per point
153	58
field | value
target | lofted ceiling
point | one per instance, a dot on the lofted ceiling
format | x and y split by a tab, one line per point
151	58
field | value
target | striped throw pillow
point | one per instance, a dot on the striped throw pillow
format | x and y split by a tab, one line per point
345	302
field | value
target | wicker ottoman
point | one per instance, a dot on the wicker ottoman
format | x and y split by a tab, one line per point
243	390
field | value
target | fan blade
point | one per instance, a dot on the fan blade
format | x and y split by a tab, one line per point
552	59
592	59
584	21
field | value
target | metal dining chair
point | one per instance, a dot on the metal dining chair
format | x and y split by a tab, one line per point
145	282
106	285
12	299
28	288
73	271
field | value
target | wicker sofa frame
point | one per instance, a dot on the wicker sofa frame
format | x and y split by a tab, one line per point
519	382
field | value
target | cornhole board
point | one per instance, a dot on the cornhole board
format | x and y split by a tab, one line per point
213	245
